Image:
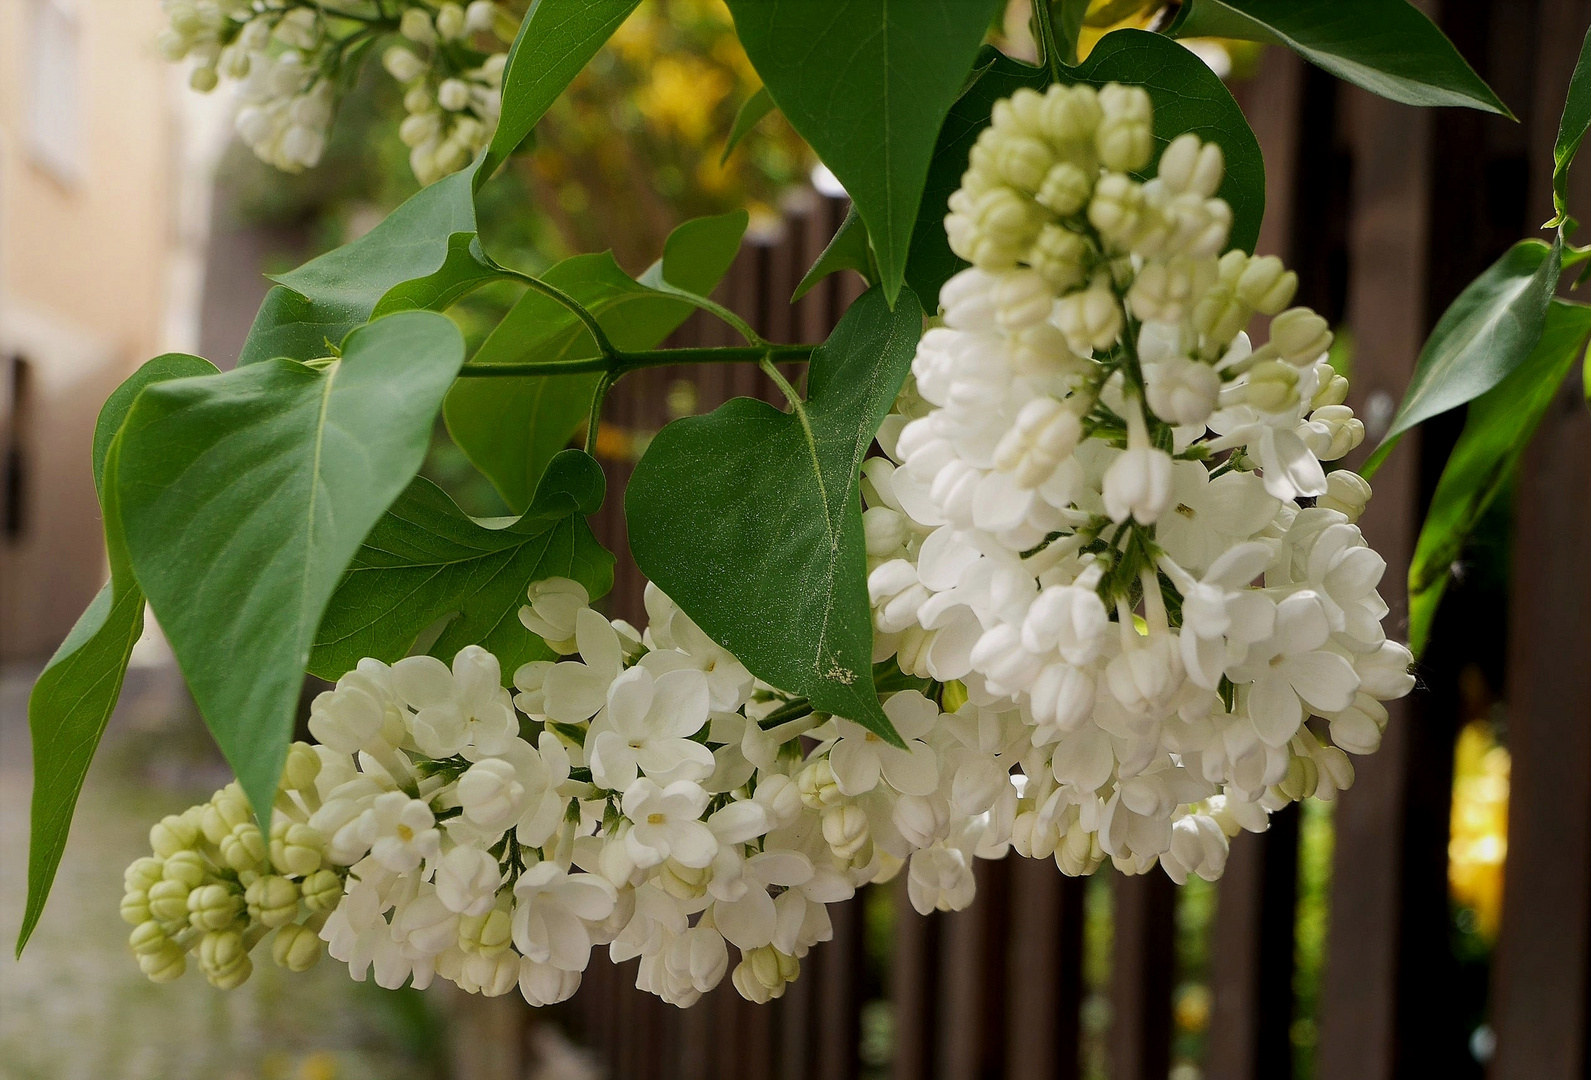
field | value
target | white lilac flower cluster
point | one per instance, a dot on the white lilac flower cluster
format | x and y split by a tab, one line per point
1105	511
287	57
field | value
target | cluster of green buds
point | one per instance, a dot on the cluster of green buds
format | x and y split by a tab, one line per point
216	886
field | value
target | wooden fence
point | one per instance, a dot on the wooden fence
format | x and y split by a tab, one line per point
1386	211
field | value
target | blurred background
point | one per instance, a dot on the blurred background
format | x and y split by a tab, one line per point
132	223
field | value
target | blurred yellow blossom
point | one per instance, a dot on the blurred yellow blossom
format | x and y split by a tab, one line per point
682	94
1478	843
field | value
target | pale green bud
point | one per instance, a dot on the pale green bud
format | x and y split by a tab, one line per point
1116	209
321	890
1022	161
303	765
203	79
171	834
273	901
188	867
453	94
489	934
226	810
244	848
1070	116
173	46
416	26
223	959
148	937
1272	386
168	901
1333	388
763	974
1346	492
1018	114
480	16
1091	319
817	785
142	873
1267	286
295	848
1188	165
401	63
450	22
135	906
1125	138
1299	336
1302	778
1065	188
296	947
1345	430
213	907
418	99
165	964
682	882
1060	256
845	829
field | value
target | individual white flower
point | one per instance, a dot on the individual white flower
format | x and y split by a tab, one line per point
543	984
361	713
1292	664
1220	615
667	824
552	910
465	708
467	879
939	878
403	832
1207	516
750	920
647	729
574	692
859	756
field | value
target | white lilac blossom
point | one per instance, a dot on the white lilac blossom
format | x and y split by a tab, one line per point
1121	612
286	56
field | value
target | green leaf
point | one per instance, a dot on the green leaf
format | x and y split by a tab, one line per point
425	250
426	560
1187	97
1386	46
1496	432
848	249
511	427
1571	132
556	39
74	695
1483	335
752	110
246	494
751	518
868	83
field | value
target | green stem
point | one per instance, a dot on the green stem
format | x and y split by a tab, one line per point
552	292
622	363
1041	15
781	382
594	422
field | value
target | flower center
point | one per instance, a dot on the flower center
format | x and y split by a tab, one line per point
405	833
635	744
873	738
655	819
1185	510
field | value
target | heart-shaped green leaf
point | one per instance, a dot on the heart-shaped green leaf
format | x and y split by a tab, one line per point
1496	432
868	83
425	252
749	115
1187	97
74	695
556	39
1483	335
751	518
511	427
245	495
426	559
1386	46
847	250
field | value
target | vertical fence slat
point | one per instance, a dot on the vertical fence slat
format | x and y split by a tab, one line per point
1044	971
1251	955
914	987
973	981
1140	987
1386	310
1541	998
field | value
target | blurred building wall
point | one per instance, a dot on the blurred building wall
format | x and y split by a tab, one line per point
89	229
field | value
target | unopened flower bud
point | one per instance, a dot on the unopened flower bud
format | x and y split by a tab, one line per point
168	901
450	21
321	890
142	873
1182	391
416	26
164	965
1070	114
295	848
1272	386
1060	256
303	765
845	829
186	867
817	785
244	847
1266	285
401	63
453	94
223	959
993	229
682	882
885	530
203	79
1125	138
1065	189
1091	319
1299	336
1347	493
921	819
1116	208
172	834
1189	165
555	604
488	934
148	937
135	906
296	947
480	16
213	907
1343	432
763	974
272	900
1138	485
